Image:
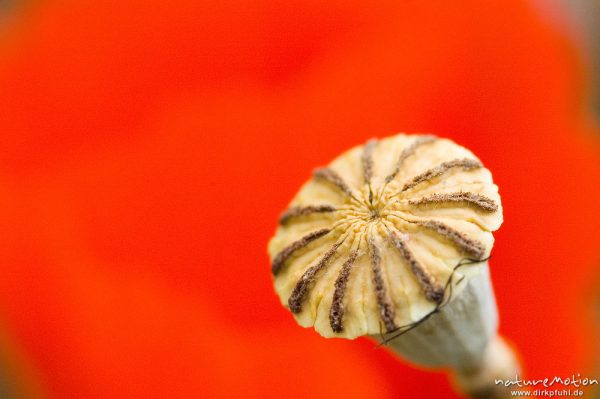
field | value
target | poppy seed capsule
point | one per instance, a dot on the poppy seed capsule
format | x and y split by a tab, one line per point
392	240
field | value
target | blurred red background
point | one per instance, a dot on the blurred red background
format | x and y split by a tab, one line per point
147	149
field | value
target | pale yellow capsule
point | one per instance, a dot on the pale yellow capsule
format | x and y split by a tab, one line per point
370	242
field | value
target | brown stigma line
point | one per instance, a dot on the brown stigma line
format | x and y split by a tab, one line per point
479	201
367	160
386	308
367	164
336	313
297	211
303	285
293	247
430	174
467	245
332	177
407	152
433	291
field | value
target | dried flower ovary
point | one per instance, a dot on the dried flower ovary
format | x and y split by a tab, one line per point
368	244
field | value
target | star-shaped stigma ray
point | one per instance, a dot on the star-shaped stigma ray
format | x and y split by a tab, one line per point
480	201
407	152
466	245
296	211
332	177
301	288
433	291
336	312
295	246
440	170
399	203
367	165
386	307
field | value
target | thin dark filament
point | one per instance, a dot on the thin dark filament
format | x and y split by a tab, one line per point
297	211
336	313
430	174
288	251
386	308
303	285
477	200
448	288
